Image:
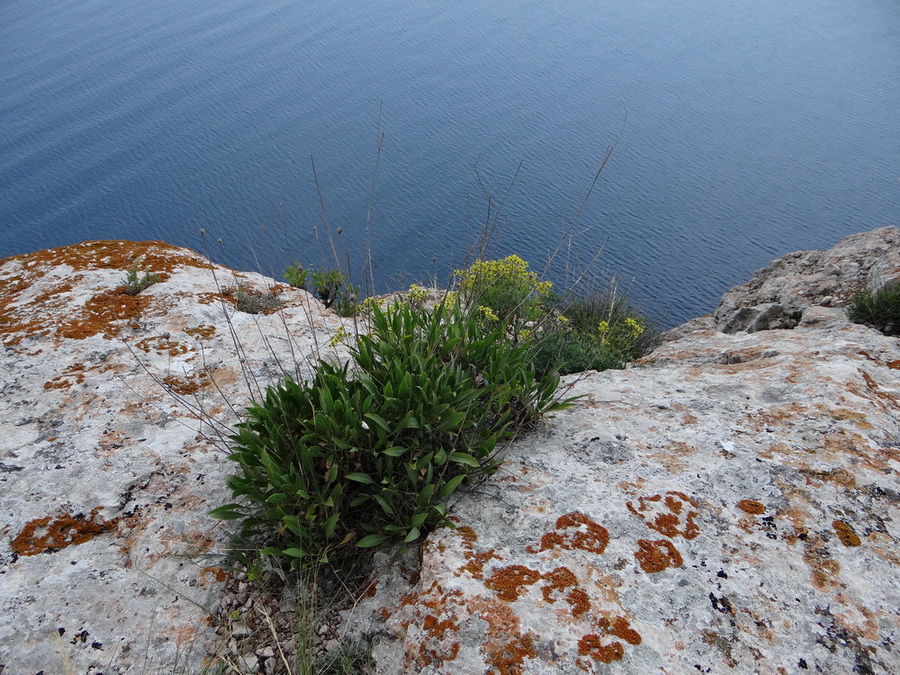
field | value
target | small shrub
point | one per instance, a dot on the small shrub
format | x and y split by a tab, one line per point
334	290
503	291
135	282
297	276
880	310
595	333
255	302
371	453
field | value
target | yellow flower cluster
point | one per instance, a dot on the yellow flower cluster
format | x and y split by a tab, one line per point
488	313
634	327
416	294
339	336
511	269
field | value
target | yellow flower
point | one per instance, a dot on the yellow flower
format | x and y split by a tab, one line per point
416	294
488	313
339	336
603	327
634	327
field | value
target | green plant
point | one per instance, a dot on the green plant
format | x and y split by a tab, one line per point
297	276
503	291
880	310
371	453
327	284
333	289
594	333
135	282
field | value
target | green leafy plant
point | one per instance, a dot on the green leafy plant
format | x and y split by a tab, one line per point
333	289
880	310
297	276
135	282
503	290
595	333
370	453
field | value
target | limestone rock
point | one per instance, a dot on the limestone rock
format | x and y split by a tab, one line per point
108	559
728	504
778	295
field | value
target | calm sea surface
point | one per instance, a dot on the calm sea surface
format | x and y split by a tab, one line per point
746	129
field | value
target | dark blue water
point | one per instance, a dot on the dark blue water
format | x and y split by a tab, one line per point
748	129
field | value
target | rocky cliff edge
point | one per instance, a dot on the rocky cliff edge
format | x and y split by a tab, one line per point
727	504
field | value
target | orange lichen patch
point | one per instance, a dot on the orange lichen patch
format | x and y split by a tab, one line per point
875	389
508	582
579	601
52	534
215	572
751	506
468	535
74	374
593	646
187	385
202	332
677	519
823	570
103	314
574	531
369	591
52	294
559	579
213	298
894	365
162	344
476	563
656	556
158	256
845	414
845	533
506	648
437	628
838	476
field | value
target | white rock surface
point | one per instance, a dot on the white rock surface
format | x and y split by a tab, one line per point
728	504
108	559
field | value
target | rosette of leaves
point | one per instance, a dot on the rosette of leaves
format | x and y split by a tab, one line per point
371	452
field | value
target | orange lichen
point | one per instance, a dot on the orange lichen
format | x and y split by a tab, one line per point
215	572
894	365
669	524
52	534
74	374
186	385
656	556
476	563
509	657
751	506
436	627
103	314
369	591
559	579
579	601
845	533
574	531
162	344
508	582
203	332
592	645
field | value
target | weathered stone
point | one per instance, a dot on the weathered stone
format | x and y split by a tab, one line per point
107	556
777	295
730	503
